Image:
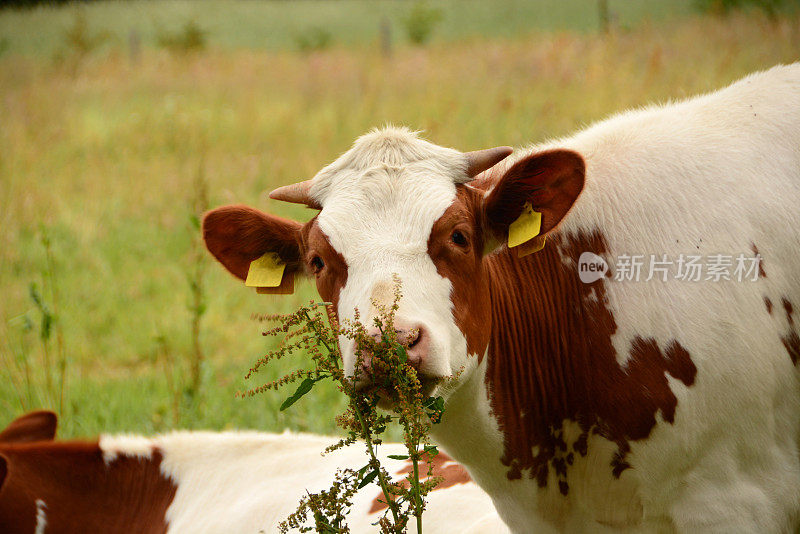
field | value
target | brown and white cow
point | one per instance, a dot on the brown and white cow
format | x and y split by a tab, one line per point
666	403
198	482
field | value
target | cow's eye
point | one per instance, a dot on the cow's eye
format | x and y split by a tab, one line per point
458	238
317	264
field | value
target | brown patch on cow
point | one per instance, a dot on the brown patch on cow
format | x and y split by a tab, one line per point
787	307
463	266
791	340
768	304
552	361
618	463
792	343
761	272
333	276
450	472
81	493
549	181
648	362
34	426
581	445
551	356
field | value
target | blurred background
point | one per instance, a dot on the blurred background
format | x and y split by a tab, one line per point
122	122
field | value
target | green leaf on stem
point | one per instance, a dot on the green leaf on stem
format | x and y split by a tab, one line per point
369	478
304	387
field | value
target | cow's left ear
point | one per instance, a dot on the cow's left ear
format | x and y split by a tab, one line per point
34	426
548	181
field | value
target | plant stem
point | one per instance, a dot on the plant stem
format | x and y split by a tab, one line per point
13	372
381	479
413	451
60	348
26	366
417	507
364	430
319	336
197	305
48	374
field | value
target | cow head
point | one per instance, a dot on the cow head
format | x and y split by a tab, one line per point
395	204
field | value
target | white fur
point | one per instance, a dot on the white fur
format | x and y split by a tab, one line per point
380	201
125	444
709	175
249	482
41	516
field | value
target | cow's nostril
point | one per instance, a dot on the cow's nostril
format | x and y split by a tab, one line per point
415	336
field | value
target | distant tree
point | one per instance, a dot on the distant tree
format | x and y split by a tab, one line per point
313	39
79	40
421	21
603	16
188	38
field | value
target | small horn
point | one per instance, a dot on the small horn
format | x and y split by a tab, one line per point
298	193
480	160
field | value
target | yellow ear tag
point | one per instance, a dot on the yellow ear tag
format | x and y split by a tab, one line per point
534	245
266	271
525	228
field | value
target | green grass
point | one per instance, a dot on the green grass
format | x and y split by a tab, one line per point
103	153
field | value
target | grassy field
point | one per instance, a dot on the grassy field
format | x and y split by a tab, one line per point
103	156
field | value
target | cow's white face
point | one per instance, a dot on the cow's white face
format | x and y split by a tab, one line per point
396	205
377	213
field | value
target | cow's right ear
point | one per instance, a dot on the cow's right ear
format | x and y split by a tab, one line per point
237	235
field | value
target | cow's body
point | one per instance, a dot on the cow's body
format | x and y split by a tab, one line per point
202	482
642	406
718	174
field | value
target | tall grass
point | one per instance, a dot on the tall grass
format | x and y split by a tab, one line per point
106	158
43	380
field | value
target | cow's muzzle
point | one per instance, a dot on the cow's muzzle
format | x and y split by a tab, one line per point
415	339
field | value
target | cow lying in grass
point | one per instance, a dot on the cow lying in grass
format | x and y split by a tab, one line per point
197	482
583	405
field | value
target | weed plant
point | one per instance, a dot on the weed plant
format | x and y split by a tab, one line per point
43	382
393	382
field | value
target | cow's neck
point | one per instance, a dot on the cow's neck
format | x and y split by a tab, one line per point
546	328
527	300
551	365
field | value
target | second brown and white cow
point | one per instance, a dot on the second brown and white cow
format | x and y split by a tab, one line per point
664	403
200	483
